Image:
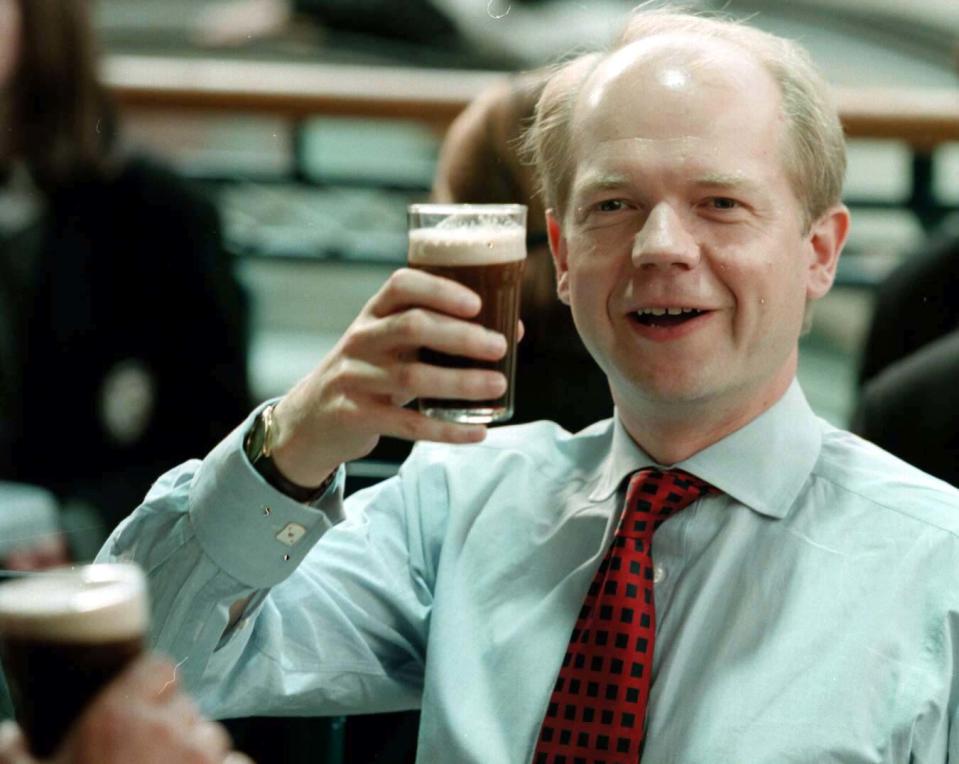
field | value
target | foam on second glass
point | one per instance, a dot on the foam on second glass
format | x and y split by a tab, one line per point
473	245
71	607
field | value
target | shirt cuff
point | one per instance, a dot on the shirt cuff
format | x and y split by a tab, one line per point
246	527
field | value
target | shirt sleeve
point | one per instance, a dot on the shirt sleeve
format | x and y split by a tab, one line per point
330	628
952	710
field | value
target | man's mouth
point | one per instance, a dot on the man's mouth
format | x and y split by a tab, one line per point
665	316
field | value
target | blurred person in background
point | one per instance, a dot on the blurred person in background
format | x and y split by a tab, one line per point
480	163
142	717
496	34
416	30
908	399
123	332
915	304
911	408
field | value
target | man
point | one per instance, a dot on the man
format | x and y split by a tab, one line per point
801	606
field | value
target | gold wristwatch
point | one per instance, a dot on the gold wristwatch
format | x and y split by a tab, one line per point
258	446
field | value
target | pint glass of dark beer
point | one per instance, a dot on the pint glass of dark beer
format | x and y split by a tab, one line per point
482	246
63	636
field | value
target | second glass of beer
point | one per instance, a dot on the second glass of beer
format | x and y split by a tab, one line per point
63	636
483	247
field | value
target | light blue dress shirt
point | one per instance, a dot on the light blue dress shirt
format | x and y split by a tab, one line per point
810	613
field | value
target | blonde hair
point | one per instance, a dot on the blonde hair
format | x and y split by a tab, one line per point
815	155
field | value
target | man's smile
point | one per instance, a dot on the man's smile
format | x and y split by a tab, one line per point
667	323
665	316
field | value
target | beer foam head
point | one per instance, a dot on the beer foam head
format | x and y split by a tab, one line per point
90	603
470	245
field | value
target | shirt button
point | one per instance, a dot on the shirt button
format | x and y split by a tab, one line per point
658	573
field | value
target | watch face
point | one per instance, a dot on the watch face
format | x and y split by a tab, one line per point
254	440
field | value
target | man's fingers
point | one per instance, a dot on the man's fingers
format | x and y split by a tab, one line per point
235	757
421	380
418	328
411	425
407	379
407	288
212	739
183	710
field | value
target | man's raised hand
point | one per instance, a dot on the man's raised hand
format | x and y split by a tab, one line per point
358	392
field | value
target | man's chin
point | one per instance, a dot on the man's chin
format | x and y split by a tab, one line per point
664	392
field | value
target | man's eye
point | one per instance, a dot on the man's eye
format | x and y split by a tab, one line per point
611	205
723	203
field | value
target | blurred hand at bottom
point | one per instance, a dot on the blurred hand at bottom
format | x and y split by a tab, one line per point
141	717
41	553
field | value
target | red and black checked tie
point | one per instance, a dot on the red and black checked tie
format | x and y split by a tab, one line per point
597	711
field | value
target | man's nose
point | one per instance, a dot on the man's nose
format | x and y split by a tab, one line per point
664	241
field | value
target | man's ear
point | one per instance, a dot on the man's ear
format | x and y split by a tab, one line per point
826	239
557	246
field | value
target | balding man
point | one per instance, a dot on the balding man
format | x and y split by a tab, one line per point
797	602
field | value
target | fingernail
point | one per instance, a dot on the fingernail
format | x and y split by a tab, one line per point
495	341
477	434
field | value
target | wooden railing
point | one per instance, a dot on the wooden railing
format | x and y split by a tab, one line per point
923	118
292	90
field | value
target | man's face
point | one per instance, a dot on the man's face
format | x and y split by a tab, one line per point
680	203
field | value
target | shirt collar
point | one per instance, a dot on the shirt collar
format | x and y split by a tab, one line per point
762	465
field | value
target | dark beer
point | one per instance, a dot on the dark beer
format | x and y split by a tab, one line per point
489	261
52	682
498	286
63	637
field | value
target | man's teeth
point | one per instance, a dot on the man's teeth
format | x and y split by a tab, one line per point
665	311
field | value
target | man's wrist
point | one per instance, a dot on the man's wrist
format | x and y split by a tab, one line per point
258	446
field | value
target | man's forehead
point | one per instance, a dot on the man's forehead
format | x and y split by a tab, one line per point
665	64
674	88
673	51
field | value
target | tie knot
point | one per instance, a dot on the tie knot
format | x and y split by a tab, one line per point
654	495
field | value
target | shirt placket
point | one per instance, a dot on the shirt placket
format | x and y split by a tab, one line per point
670	557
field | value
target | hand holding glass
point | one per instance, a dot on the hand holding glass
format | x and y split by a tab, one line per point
64	635
483	247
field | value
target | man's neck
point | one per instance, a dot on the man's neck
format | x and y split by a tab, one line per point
672	432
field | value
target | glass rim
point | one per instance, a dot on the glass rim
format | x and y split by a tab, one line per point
108	581
449	208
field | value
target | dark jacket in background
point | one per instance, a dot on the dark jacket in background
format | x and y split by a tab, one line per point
912	409
909	374
916	304
129	293
411	20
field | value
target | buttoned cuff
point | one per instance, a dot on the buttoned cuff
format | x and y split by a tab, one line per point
246	527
